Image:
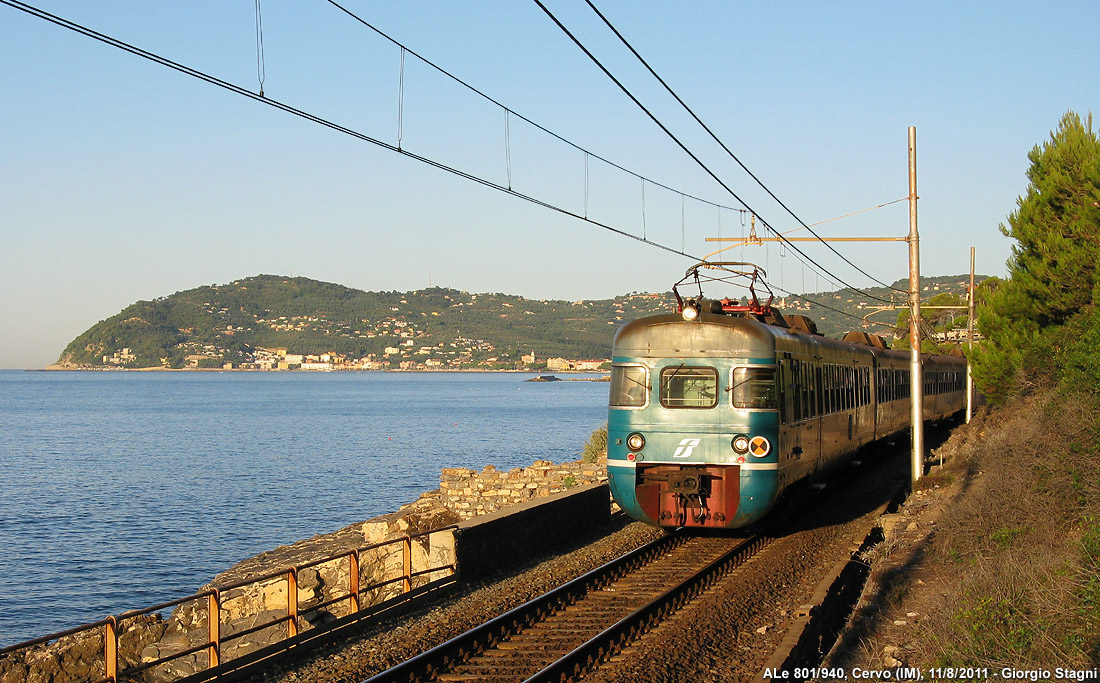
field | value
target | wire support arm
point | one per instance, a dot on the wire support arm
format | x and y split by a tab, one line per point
685	149
721	144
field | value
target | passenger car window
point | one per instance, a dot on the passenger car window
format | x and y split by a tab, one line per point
754	388
629	386
689	387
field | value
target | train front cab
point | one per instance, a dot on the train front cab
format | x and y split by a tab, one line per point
692	441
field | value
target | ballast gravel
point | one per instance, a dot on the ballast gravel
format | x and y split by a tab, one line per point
393	641
726	635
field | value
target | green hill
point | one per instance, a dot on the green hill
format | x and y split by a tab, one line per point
231	323
837	312
248	321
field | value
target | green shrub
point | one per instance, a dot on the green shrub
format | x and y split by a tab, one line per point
1005	536
596	446
1077	357
997	626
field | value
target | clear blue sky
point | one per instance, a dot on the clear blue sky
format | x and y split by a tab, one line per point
122	180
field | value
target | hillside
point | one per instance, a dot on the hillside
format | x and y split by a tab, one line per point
837	312
263	320
233	322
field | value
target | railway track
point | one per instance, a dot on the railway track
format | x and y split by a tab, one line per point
568	632
563	633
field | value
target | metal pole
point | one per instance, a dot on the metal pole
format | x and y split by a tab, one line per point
110	650
916	382
214	628
970	343
292	602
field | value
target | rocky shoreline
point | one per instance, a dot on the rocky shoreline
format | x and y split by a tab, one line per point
462	494
76	367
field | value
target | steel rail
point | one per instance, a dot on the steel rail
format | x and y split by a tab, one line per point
429	663
602	645
442	660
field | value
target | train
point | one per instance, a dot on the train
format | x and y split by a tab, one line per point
718	408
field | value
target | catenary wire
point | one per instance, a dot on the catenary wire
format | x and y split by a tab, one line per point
687	151
523	118
348	131
236	89
924	329
846	314
716	139
849	215
827	220
722	144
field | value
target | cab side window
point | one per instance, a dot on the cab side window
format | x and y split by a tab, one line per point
754	388
629	386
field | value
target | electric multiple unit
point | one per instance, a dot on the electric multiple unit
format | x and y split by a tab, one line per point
717	409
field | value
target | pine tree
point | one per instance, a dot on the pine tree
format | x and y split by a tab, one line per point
1057	223
1055	266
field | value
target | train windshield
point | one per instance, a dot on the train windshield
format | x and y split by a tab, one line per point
689	387
754	388
629	386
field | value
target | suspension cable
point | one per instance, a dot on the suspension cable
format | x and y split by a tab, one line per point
683	147
238	90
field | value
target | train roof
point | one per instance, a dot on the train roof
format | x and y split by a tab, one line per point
720	335
710	336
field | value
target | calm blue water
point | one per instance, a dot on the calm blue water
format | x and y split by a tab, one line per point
122	490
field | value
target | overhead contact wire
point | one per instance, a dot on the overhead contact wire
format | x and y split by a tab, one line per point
828	307
236	89
519	116
722	144
683	147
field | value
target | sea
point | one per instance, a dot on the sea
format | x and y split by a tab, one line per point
122	490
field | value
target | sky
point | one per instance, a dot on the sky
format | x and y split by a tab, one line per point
122	180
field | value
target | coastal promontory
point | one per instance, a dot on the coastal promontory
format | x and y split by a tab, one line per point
270	322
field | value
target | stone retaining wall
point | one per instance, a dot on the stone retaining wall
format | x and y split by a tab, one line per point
462	495
468	493
512	536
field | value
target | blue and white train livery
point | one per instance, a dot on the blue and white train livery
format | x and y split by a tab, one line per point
716	409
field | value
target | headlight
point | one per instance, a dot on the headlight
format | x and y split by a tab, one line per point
690	312
635	442
740	444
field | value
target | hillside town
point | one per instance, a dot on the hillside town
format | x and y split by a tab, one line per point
427	358
270	323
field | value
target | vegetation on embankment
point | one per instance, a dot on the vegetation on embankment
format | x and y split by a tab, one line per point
1017	555
1011	575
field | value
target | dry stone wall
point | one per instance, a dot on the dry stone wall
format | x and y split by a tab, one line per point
462	494
468	493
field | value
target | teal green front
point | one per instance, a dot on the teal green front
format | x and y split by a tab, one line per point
694	436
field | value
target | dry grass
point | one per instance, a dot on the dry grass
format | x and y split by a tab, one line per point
1023	545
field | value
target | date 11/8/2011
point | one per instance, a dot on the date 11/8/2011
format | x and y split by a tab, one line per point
840	673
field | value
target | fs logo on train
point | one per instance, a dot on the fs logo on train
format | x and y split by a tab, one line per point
685	448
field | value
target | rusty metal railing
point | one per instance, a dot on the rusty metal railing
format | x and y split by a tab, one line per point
215	642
